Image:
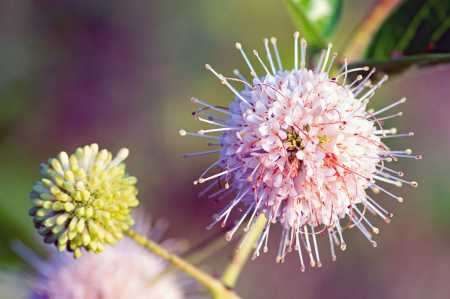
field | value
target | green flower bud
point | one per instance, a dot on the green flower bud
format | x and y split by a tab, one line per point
83	200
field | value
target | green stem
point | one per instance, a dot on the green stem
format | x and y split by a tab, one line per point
234	268
202	254
217	288
368	27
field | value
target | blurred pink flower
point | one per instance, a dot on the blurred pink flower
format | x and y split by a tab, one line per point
301	148
125	271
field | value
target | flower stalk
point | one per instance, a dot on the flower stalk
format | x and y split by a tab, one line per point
234	268
217	288
369	26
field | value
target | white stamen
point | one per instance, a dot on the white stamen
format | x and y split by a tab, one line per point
195	100
273	40
308	248
201	153
297	242
392	182
331	232
338	228
374	229
296	34
316	249
202	180
239	47
361	85
389	193
410	134
269	56
246	236
224	81
201	132
280	247
322	55
259	58
184	133
254	212
331	63
236	72
366	68
330	45
231	233
207	169
390	106
211	122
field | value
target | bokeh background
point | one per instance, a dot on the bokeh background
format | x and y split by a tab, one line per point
121	74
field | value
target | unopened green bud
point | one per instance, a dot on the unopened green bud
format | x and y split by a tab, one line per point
64	197
57	166
59	179
92	226
81	174
80	211
72	234
57	228
47	183
69	176
51	221
58	206
86	209
77	252
46	196
98	203
47	205
96	169
61	219
85	195
105	216
94	182
77	196
73	224
37	202
80	225
68	186
89	212
85	238
111	208
69	207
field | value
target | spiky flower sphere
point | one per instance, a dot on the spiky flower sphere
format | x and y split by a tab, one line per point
300	148
83	200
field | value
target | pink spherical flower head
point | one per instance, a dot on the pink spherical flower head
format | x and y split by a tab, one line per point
301	148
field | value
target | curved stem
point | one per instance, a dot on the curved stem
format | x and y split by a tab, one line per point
234	268
217	288
368	27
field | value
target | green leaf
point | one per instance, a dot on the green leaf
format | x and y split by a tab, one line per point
397	66
326	13
308	29
416	27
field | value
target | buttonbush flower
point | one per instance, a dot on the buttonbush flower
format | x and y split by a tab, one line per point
83	200
301	148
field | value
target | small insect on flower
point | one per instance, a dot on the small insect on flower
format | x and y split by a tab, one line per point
300	147
83	200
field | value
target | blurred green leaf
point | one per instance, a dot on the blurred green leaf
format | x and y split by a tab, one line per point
416	27
326	13
393	67
308	29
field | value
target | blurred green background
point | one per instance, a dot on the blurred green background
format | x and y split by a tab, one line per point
121	74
